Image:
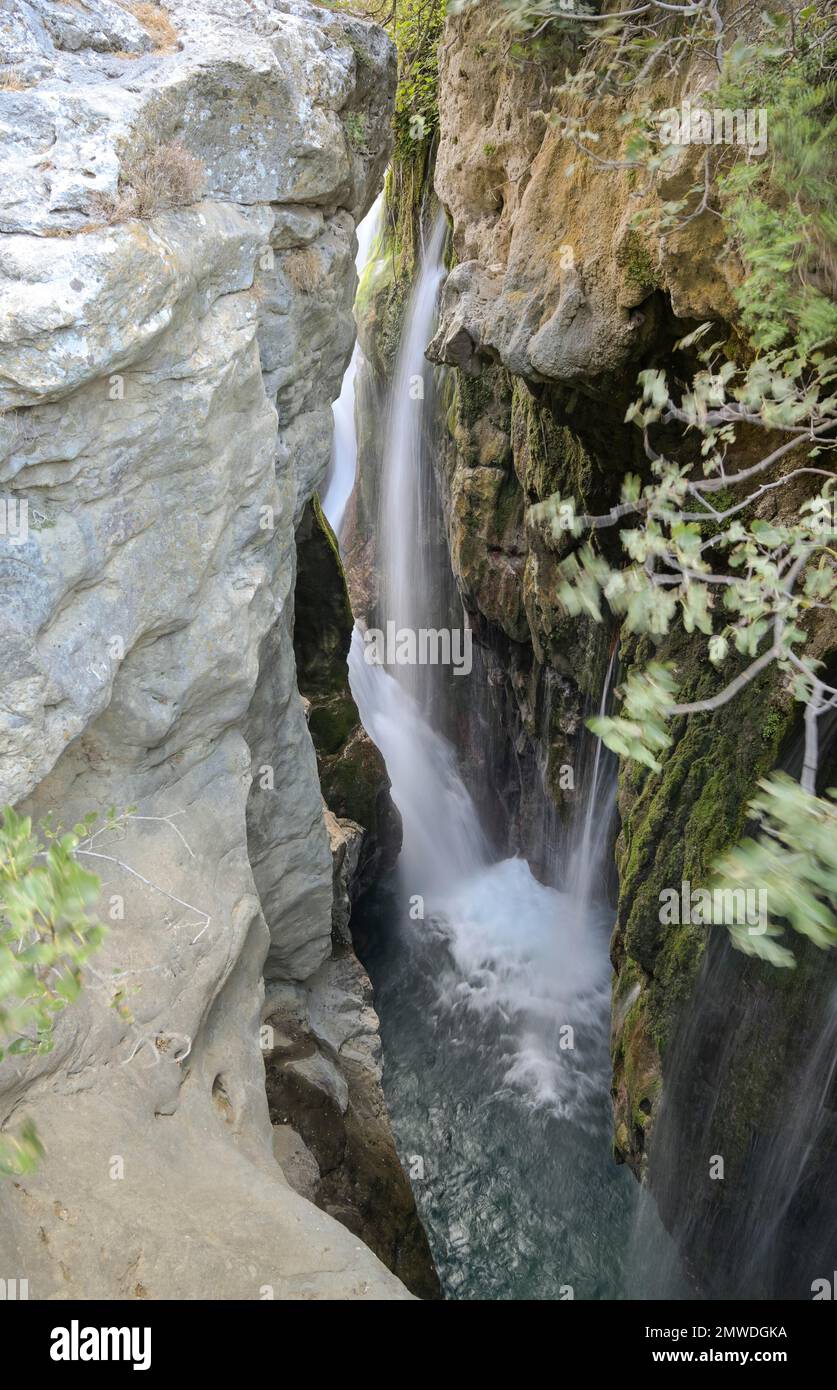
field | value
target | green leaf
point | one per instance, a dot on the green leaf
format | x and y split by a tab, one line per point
793	862
718	648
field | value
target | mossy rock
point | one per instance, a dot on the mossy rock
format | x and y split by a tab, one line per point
352	772
332	722
675	825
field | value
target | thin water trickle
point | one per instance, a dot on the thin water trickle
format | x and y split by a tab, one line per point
588	854
341	475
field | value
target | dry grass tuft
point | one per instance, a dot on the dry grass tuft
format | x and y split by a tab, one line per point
156	23
303	269
153	178
11	81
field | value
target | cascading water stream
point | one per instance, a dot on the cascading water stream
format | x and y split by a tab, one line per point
443	841
492	989
341	477
589	852
403	522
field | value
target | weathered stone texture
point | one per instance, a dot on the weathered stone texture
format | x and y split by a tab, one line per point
165	390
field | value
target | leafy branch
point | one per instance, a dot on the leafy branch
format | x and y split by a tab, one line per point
750	586
49	933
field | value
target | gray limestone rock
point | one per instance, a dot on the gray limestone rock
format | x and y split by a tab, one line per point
165	385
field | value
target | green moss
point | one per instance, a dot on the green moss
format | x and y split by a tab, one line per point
354	124
636	1064
508	513
638	263
331	722
772	727
678	822
352	782
548	456
416	27
384	298
475	395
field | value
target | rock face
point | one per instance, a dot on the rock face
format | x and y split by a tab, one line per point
324	1063
326	1100
165	389
553	279
353	774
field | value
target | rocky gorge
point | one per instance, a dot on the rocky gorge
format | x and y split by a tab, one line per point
265	1047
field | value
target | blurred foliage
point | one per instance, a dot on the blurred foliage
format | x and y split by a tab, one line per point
47	933
794	860
781	212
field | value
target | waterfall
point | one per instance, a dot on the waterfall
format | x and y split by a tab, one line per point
588	852
443	841
508	955
751	1076
492	988
403	524
778	1234
791	1180
341	476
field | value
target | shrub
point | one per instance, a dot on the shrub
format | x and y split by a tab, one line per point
11	81
154	178
47	933
354	124
157	24
303	269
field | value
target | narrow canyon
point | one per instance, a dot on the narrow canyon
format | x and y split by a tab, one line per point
418	869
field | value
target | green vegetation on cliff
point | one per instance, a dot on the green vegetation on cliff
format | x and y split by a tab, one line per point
782	212
416	28
47	933
740	552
